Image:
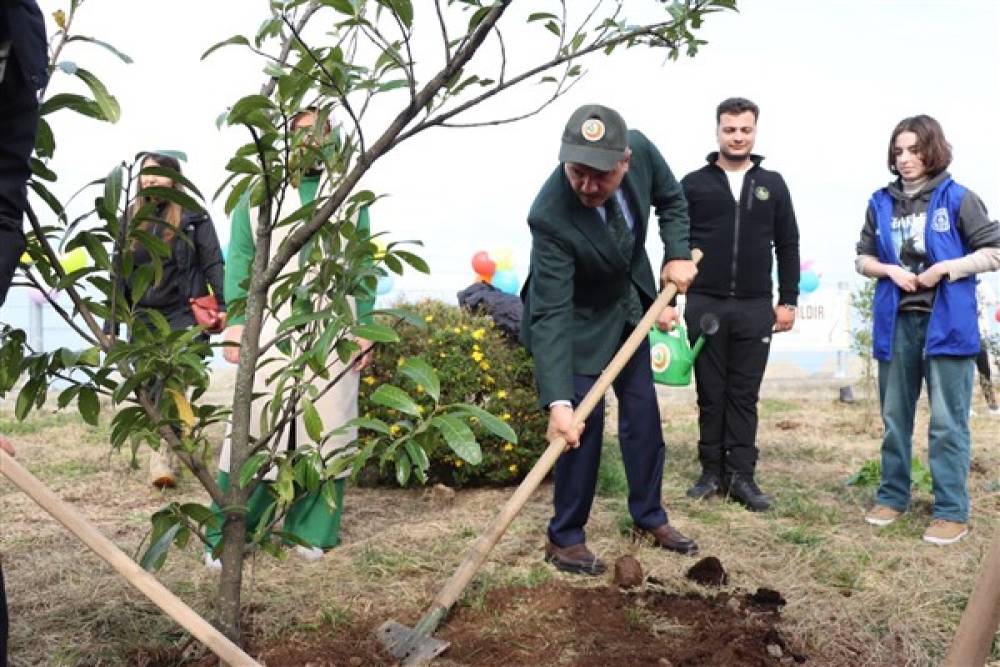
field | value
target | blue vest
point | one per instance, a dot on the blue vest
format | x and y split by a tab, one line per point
952	330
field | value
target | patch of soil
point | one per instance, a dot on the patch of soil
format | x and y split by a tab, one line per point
708	572
787	424
558	623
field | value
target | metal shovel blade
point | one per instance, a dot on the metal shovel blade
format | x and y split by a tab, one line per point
408	648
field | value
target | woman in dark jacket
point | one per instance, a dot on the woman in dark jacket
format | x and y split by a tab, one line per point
193	268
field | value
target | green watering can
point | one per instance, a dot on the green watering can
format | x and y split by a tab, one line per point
671	354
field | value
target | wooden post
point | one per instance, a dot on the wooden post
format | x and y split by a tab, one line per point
976	629
147	584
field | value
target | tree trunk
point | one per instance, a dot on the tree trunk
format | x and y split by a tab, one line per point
231	579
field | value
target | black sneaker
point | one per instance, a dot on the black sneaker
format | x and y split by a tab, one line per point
745	491
707	485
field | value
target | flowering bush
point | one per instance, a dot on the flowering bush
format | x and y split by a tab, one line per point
476	364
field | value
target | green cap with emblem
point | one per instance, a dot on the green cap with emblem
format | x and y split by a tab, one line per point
595	136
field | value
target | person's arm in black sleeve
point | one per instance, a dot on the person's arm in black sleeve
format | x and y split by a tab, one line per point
210	256
786	248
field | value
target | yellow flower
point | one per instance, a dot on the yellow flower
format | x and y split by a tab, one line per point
485	366
401	361
475	346
477	356
505	416
479	333
458	463
457	330
428	318
490	380
369	380
442	355
513	468
502	394
508	446
394	429
420	409
420	388
465	328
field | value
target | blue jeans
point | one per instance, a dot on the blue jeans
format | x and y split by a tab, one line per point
949	388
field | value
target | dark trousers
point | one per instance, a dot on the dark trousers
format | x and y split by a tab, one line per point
728	372
18	122
643	453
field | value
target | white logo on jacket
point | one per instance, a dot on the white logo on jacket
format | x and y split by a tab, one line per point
940	222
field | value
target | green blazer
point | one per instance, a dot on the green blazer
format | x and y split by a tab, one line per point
574	296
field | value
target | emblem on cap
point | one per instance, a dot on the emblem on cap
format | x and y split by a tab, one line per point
592	129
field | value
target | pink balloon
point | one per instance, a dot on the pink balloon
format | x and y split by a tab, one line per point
37	297
482	264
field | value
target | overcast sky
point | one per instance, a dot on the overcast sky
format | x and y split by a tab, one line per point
832	77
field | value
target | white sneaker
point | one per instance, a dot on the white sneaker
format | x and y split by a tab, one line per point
309	553
213	564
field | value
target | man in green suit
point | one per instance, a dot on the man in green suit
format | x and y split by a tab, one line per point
590	282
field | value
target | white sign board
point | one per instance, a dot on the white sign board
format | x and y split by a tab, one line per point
822	324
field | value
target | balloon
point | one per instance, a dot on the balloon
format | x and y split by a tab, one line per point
808	282
74	260
998	315
37	297
506	281
484	279
482	264
384	285
504	258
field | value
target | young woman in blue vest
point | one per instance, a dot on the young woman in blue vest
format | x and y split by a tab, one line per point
925	237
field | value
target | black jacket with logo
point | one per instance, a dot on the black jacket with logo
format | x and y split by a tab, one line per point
739	242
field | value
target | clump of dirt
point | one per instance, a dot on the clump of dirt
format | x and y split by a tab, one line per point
628	572
708	572
787	424
765	599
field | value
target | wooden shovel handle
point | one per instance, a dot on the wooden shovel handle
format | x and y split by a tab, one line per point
147	584
978	625
482	547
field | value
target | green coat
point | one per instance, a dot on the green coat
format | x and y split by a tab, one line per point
574	297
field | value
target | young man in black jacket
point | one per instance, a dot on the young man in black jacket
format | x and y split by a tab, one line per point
739	212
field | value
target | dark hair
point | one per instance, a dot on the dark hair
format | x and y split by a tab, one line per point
736	105
173	212
934	149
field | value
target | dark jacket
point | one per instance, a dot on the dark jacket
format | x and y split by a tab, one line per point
578	282
194	265
21	23
739	241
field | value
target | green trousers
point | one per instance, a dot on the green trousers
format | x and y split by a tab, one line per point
309	518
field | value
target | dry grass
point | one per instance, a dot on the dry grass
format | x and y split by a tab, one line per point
856	595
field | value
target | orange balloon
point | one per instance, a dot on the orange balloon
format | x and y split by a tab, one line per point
486	279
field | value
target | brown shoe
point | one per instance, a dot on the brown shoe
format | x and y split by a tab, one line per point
669	538
576	559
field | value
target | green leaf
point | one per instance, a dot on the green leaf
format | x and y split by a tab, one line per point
88	405
553	27
403	469
314	423
110	109
491	423
423	374
26	398
156	555
113	190
376	425
176	196
417	454
413	260
172	174
39	169
246	106
393	397
82	38
377	333
250	467
200	514
342	6
541	16
235	39
459	437
46	195
77	103
45	141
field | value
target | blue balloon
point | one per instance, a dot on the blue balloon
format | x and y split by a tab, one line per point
506	281
384	285
808	282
